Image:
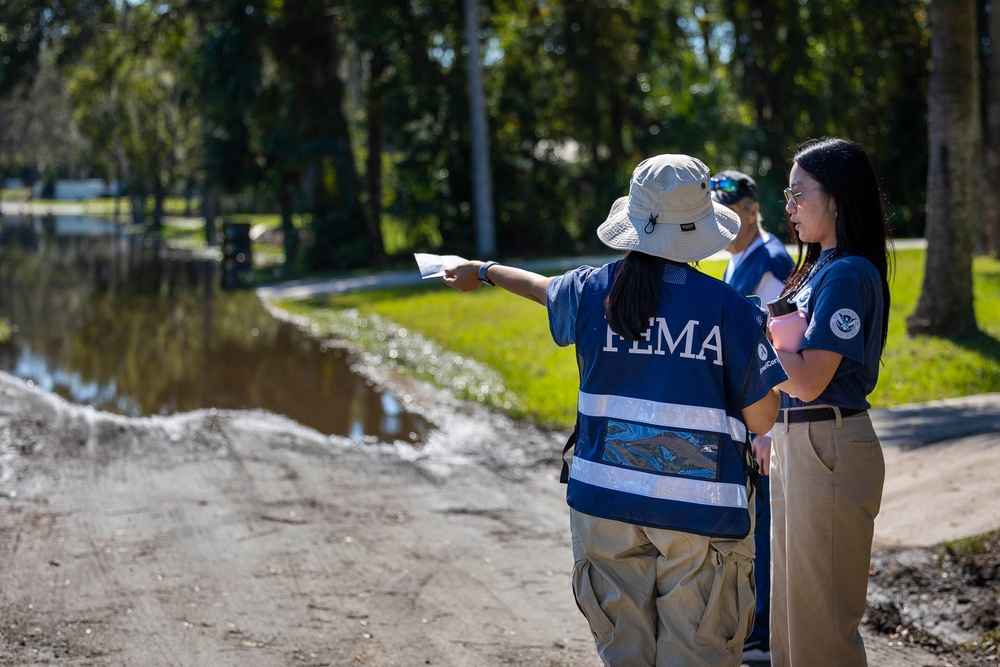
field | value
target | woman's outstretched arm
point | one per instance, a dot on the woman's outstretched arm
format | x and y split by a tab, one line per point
530	285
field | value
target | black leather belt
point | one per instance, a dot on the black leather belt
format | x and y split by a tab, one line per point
817	414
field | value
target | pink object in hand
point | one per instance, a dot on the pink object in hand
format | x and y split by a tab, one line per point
787	326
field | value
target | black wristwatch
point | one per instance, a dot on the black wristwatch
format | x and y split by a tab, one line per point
483	278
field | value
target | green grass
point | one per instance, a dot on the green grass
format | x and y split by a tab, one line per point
173	206
190	233
14	194
969	547
510	335
925	368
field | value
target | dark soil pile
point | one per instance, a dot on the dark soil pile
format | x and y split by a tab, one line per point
945	599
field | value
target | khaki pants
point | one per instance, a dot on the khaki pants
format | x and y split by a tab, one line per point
826	488
661	597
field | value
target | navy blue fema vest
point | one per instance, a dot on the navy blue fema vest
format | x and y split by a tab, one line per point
655	444
769	257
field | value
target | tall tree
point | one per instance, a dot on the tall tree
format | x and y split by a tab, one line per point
771	62
29	27
945	307
855	68
276	119
991	144
374	34
586	89
37	38
424	119
482	191
307	45
37	133
133	99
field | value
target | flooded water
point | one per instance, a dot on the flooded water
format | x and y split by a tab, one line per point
122	324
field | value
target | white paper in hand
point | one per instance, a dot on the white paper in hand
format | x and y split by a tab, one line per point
433	266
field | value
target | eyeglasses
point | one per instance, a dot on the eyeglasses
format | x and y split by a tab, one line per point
727	184
793	196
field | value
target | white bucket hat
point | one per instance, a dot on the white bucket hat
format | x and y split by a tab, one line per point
669	212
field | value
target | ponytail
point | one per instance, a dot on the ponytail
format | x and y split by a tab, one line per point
635	294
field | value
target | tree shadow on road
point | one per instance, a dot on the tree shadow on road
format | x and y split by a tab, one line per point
912	426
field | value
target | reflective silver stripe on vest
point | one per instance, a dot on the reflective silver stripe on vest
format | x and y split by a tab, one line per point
691	417
661	487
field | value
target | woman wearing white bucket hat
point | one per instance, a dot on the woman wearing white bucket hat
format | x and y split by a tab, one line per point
675	369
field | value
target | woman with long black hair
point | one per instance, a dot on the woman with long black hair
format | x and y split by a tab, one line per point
827	468
675	370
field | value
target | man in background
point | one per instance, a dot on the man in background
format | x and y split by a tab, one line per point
759	265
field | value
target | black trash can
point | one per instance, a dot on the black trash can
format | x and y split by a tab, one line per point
237	256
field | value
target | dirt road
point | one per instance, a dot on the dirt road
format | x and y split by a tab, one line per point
235	538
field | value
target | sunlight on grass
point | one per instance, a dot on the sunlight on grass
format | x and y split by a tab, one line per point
510	334
924	368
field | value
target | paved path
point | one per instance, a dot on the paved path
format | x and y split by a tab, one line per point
921	424
941	463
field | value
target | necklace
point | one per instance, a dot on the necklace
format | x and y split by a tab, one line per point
813	270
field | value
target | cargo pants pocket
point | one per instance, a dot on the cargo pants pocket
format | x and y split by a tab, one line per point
729	611
585	577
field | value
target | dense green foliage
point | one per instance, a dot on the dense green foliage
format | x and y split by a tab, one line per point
510	335
353	117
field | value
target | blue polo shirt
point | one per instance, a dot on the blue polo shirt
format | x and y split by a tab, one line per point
843	304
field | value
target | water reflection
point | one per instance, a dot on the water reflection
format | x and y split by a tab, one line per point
122	324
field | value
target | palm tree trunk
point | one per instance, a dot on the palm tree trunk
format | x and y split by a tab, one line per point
945	307
991	195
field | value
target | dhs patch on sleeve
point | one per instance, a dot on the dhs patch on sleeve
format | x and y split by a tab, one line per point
845	324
